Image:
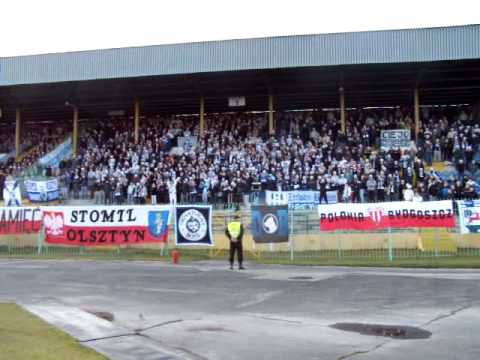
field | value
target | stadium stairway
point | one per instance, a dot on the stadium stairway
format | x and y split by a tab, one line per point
24	154
439	166
37	169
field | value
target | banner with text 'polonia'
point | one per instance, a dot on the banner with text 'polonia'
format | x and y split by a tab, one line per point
106	225
20	220
402	214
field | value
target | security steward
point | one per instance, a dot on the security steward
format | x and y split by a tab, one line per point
234	233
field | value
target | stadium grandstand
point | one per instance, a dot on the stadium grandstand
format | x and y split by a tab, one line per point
220	121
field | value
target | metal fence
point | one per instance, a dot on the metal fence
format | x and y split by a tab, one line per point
306	244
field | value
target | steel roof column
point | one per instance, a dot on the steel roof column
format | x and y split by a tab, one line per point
416	105
202	116
271	127
342	111
75	132
136	120
18	132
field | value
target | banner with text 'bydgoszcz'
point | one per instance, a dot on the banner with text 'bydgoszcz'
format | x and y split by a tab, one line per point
402	214
20	220
106	225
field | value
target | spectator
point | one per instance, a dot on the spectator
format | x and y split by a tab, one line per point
371	189
408	194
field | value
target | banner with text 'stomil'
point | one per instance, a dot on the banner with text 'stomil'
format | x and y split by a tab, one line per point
106	225
400	214
20	220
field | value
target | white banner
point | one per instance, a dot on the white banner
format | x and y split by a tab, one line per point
235	101
469	216
298	198
106	225
11	193
400	214
42	190
399	138
187	143
20	220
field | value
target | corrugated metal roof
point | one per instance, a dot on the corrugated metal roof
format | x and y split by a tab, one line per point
393	46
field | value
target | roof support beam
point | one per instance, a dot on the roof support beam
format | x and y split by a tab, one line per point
18	132
416	105
136	120
271	127
202	116
75	132
342	111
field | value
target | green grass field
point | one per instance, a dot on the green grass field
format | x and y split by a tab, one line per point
23	336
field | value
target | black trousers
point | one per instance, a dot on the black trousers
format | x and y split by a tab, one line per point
236	247
380	195
323	196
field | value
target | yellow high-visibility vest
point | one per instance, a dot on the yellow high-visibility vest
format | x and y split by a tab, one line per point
234	229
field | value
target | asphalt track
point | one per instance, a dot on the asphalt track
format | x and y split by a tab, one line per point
205	311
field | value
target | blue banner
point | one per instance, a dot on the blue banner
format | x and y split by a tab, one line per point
61	152
270	224
42	190
5	157
193	225
469	216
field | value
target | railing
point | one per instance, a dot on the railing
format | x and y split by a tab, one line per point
307	244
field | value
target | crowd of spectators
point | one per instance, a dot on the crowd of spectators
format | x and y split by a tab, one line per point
36	143
7	143
307	152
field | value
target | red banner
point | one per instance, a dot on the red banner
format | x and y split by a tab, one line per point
20	220
106	226
386	215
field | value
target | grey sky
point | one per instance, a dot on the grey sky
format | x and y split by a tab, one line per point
32	27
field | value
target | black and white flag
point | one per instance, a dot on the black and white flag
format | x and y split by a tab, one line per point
193	225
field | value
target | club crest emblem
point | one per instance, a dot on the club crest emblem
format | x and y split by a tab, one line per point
270	224
376	214
157	222
192	225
